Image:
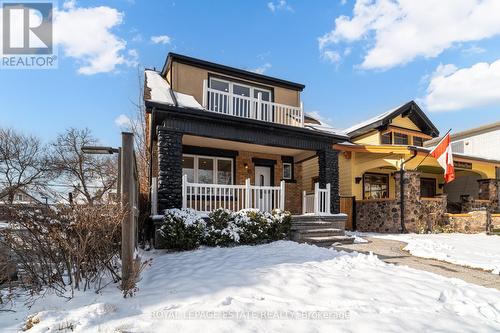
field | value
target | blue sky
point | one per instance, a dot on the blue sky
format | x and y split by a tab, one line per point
355	62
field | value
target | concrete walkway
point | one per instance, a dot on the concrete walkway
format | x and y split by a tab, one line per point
391	252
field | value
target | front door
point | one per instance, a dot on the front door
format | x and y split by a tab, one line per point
262	198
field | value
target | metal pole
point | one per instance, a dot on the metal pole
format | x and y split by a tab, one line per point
127	181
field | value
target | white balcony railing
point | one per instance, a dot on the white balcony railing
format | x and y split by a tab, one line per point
317	203
251	108
207	197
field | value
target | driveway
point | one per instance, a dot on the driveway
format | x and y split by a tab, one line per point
391	251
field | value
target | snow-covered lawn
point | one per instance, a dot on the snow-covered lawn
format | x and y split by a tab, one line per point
473	250
283	281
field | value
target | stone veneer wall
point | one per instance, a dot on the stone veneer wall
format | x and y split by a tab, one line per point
378	215
169	169
495	221
384	215
328	161
473	222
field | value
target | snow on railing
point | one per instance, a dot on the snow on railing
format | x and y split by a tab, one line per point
208	197
317	203
251	108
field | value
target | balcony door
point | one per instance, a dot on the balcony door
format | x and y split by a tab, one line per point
238	99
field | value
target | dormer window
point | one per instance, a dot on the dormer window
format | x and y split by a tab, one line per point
418	141
387	138
400	139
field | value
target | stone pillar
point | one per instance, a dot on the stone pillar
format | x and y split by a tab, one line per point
329	173
411	195
488	190
169	169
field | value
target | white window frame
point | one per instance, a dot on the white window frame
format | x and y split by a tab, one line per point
216	164
252	88
291	170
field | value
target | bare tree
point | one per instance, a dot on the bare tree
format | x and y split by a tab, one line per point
90	175
23	162
138	125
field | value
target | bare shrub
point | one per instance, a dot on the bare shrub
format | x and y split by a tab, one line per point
65	249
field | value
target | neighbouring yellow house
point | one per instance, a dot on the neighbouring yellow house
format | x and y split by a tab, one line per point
370	164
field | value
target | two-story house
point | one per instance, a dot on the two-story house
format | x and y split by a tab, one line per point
225	137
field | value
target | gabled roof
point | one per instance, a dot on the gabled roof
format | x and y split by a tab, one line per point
467	133
410	110
223	69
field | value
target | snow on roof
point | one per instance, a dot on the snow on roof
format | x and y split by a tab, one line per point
161	92
370	121
324	128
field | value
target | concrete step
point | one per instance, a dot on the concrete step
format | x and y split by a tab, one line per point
313	225
322	232
329	240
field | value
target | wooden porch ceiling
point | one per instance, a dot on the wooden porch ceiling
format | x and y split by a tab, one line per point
192	140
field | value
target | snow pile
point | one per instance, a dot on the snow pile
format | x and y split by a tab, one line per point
236	289
473	250
162	93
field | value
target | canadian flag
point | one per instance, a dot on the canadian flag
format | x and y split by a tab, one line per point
442	153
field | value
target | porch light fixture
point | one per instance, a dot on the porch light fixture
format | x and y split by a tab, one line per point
357	180
245	166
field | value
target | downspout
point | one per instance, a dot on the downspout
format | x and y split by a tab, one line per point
401	188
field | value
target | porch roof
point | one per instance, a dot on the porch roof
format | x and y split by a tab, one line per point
406	150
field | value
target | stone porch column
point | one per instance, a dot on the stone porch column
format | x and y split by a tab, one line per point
411	196
169	169
488	190
329	173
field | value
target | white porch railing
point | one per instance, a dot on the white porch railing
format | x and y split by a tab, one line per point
251	108
317	203
207	197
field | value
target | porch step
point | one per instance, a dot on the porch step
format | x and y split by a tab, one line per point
314	225
322	232
329	240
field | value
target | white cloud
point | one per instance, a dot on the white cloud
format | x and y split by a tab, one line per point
162	39
451	88
85	34
398	31
279	5
123	121
331	56
474	49
262	69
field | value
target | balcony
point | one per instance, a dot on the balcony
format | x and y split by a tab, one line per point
248	107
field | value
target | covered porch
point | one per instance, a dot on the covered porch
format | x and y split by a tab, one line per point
370	181
219	162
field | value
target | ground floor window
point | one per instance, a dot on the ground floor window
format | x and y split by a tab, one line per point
207	169
375	186
427	187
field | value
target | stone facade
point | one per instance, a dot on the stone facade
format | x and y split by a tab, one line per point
329	173
384	215
472	222
495	222
488	190
169	169
378	215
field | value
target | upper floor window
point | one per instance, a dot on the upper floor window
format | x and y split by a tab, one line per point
387	138
400	139
240	89
418	141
